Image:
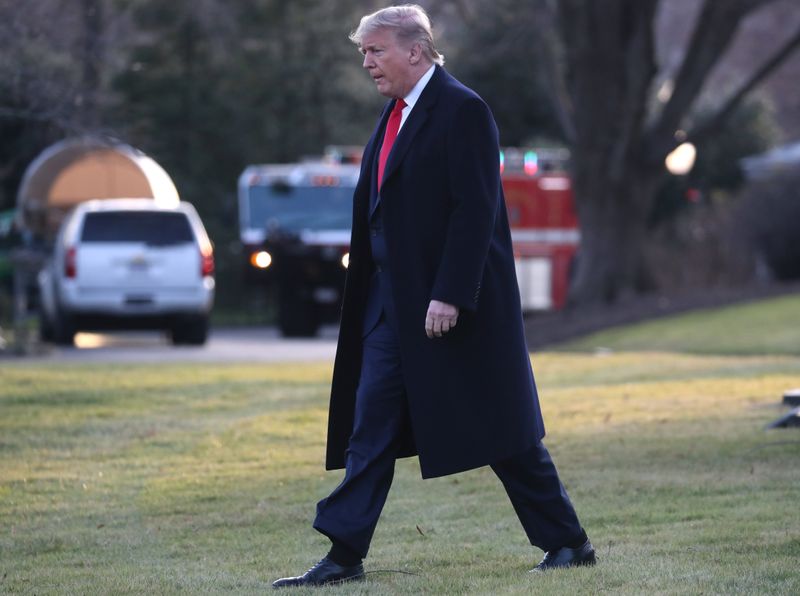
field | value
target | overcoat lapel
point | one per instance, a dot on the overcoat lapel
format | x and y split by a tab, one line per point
414	123
371	154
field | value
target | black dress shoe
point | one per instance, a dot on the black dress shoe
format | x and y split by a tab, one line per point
567	557
323	573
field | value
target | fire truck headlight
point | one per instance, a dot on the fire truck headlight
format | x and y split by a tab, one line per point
346	260
261	259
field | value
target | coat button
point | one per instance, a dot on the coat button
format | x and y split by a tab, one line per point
378	268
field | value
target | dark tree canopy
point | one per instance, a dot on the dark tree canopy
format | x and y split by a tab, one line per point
495	57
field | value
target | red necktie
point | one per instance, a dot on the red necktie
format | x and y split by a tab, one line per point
392	127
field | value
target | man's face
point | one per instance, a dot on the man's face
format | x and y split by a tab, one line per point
390	64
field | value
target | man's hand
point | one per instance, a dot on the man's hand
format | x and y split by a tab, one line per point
441	318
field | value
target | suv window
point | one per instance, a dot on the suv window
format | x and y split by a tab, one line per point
148	227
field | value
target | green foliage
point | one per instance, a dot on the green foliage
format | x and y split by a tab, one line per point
171	100
495	56
33	75
22	141
208	91
750	130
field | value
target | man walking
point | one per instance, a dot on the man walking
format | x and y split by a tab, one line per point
431	358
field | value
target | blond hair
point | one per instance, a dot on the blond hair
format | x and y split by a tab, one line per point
410	23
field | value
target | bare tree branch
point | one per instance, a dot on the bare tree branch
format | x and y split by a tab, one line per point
545	27
716	25
751	5
714	123
640	69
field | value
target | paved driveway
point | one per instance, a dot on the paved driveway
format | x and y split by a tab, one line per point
262	344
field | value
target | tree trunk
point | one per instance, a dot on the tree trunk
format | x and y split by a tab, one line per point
613	222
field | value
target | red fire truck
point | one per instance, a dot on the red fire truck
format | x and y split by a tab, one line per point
544	225
295	227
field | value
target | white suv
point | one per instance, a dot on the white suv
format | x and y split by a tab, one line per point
129	264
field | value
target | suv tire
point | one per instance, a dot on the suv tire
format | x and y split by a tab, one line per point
64	330
191	330
46	331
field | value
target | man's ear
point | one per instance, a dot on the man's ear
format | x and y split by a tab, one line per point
415	54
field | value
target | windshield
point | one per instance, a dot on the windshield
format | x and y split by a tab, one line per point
299	208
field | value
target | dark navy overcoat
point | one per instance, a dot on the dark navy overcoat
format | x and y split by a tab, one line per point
471	393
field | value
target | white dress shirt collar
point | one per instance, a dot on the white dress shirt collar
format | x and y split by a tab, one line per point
413	95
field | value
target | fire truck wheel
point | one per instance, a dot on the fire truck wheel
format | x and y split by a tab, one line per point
298	318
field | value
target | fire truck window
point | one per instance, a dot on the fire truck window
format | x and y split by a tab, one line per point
294	208
281	188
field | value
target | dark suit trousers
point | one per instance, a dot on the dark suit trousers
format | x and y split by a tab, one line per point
350	514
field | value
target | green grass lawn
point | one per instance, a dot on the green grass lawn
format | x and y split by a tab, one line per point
764	326
203	479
